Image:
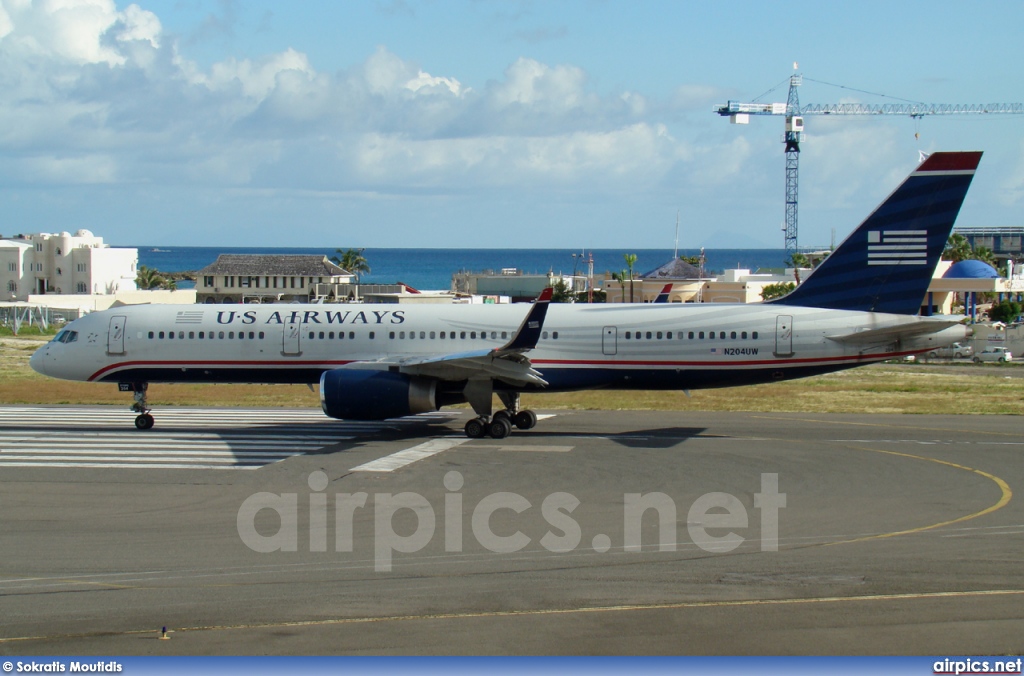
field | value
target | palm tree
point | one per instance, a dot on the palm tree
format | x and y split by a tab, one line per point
797	260
985	255
149	278
352	260
620	277
630	262
957	249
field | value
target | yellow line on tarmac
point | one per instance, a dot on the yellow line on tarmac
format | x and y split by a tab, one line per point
1005	496
551	611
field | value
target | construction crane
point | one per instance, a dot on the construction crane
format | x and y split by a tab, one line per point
739	113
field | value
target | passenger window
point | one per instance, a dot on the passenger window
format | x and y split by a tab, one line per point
554	335
700	335
648	335
351	335
743	335
191	335
691	335
432	335
221	335
401	335
231	335
423	335
733	335
261	335
331	335
462	335
472	335
544	335
251	335
170	335
150	335
391	335
628	335
504	335
721	334
202	334
371	335
321	335
312	335
754	335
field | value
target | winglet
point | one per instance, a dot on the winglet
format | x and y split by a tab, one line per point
529	331
663	296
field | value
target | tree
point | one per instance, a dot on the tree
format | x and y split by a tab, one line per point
957	249
561	292
692	260
772	291
150	278
621	278
630	262
351	260
985	255
796	261
1006	311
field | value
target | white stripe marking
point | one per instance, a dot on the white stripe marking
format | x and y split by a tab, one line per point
390	463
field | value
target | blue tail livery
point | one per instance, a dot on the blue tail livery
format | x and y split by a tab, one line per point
887	263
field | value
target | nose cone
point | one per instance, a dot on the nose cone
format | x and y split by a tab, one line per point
38	360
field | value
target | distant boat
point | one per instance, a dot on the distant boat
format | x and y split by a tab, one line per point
160	251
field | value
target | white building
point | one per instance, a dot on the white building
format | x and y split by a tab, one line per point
64	264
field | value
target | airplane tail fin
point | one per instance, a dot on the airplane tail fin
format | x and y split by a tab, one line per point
663	296
887	263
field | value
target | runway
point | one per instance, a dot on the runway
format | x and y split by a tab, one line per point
594	533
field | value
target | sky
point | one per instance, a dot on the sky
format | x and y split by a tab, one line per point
481	123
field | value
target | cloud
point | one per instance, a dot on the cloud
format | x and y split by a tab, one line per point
96	95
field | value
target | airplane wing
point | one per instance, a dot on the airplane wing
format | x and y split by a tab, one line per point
920	327
507	363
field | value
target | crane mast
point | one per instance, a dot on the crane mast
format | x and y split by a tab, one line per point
739	113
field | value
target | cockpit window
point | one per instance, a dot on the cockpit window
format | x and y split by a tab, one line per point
66	336
71	337
59	338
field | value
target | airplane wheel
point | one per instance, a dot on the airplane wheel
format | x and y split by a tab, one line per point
499	428
526	419
502	414
475	428
144	421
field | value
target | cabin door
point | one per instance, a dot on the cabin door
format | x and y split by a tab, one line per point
784	336
292	338
115	337
610	340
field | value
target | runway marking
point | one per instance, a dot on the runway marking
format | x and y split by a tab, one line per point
684	605
390	463
888	426
103	437
535	449
1005	496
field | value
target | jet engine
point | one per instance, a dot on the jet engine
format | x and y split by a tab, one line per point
357	394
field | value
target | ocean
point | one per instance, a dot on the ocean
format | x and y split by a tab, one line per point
433	268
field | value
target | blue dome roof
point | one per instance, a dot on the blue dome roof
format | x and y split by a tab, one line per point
971	270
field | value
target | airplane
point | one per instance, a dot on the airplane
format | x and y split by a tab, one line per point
377	361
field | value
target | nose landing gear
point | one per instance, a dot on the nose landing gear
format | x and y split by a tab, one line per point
144	420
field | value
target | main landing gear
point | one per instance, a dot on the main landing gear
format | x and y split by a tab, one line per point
499	425
144	420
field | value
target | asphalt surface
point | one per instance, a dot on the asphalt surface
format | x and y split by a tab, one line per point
898	534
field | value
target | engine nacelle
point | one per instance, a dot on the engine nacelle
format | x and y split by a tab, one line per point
357	394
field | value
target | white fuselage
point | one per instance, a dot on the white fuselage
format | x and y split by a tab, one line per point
651	346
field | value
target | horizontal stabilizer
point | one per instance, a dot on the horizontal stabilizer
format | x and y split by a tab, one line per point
923	326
